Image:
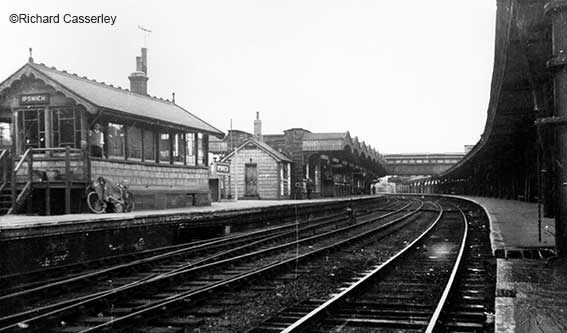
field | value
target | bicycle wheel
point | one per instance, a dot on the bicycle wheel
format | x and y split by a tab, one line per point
128	202
95	204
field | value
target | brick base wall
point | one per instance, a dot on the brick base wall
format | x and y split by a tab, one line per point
158	186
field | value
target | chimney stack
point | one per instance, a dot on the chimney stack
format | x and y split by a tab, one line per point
258	127
139	78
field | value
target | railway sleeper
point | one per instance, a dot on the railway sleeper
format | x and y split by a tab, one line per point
468	294
289	276
227	302
276	327
407	285
377	322
470	298
205	311
157	329
466	315
293	314
465	326
473	280
387	313
286	318
393	296
299	310
122	311
379	304
181	321
472	286
462	306
139	302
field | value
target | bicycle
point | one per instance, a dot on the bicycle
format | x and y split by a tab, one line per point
103	196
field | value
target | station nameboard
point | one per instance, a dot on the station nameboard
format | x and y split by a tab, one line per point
35	99
223	168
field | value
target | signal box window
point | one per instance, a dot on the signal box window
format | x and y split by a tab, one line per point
32	124
134	143
66	128
149	146
190	148
164	149
178	148
116	140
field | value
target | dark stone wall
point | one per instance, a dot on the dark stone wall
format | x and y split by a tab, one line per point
55	244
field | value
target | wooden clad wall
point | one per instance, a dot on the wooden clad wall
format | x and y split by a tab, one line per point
268	172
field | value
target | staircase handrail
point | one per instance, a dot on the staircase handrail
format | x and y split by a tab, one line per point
57	150
23	159
69	154
4	163
16	201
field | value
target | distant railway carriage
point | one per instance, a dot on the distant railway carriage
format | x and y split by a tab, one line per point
60	131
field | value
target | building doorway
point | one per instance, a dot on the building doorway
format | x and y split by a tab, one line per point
251	180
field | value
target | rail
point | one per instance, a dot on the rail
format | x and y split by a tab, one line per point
68	307
302	324
434	320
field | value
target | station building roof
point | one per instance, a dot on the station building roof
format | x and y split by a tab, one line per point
262	146
98	95
338	141
298	140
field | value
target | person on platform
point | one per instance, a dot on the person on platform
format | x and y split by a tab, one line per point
96	140
310	186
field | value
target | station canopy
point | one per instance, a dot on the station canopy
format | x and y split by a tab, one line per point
520	93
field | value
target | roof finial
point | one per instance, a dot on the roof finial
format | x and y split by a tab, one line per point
30	59
173	97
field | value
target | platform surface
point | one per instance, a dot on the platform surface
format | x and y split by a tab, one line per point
515	224
24	221
531	295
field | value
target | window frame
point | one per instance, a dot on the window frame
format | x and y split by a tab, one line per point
108	140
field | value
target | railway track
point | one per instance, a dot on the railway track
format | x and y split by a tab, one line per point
137	280
470	304
434	284
138	271
405	293
24	281
409	291
28	280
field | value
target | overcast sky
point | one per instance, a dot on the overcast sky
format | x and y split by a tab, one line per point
403	76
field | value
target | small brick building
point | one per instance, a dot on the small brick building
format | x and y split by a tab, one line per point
259	171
